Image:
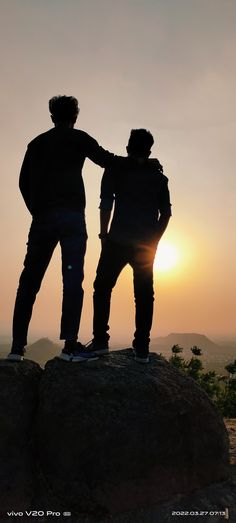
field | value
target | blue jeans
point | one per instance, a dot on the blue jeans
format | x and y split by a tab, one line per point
47	229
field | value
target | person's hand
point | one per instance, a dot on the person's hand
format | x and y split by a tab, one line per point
103	241
103	238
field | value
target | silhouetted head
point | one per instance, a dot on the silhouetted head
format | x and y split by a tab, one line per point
64	110
140	143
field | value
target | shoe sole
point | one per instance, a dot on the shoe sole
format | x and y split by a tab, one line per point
14	357
65	357
101	352
80	359
140	359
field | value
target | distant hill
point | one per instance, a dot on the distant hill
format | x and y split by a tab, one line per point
4	349
41	351
185	340
214	356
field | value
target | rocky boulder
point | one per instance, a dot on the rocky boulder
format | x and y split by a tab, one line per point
18	402
115	435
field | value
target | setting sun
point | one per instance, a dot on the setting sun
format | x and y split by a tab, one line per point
166	257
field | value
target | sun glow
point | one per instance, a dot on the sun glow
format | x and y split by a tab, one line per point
166	257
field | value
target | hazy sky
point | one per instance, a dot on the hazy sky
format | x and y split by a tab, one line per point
167	65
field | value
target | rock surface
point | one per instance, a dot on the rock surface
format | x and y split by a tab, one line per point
111	441
115	436
18	401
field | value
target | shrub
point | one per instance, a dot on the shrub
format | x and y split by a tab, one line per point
221	389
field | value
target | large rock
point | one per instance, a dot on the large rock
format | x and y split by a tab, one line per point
18	402
114	435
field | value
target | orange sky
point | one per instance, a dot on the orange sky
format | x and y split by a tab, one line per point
166	65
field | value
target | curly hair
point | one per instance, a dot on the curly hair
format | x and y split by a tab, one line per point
63	108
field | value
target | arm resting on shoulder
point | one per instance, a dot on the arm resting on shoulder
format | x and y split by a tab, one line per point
97	154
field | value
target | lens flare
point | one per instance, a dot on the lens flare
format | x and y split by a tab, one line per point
166	257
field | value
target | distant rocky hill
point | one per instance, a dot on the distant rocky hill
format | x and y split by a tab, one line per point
185	340
188	340
214	355
41	351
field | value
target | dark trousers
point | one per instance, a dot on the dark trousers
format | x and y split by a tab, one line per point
68	228
113	259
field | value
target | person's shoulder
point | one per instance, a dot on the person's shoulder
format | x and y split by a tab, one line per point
40	138
157	168
80	135
120	162
124	164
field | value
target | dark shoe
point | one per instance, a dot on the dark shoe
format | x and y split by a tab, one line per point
69	349
97	347
16	354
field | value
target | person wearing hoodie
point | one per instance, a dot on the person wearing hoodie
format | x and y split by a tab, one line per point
139	191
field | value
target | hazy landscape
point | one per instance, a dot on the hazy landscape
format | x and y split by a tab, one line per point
215	355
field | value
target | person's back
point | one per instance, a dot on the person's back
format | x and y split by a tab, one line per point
140	195
52	187
51	173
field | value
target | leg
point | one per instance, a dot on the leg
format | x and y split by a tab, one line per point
73	247
40	248
142	263
112	260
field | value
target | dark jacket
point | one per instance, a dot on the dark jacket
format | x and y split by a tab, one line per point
51	173
141	195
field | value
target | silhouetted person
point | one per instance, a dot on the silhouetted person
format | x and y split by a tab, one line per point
52	187
142	211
